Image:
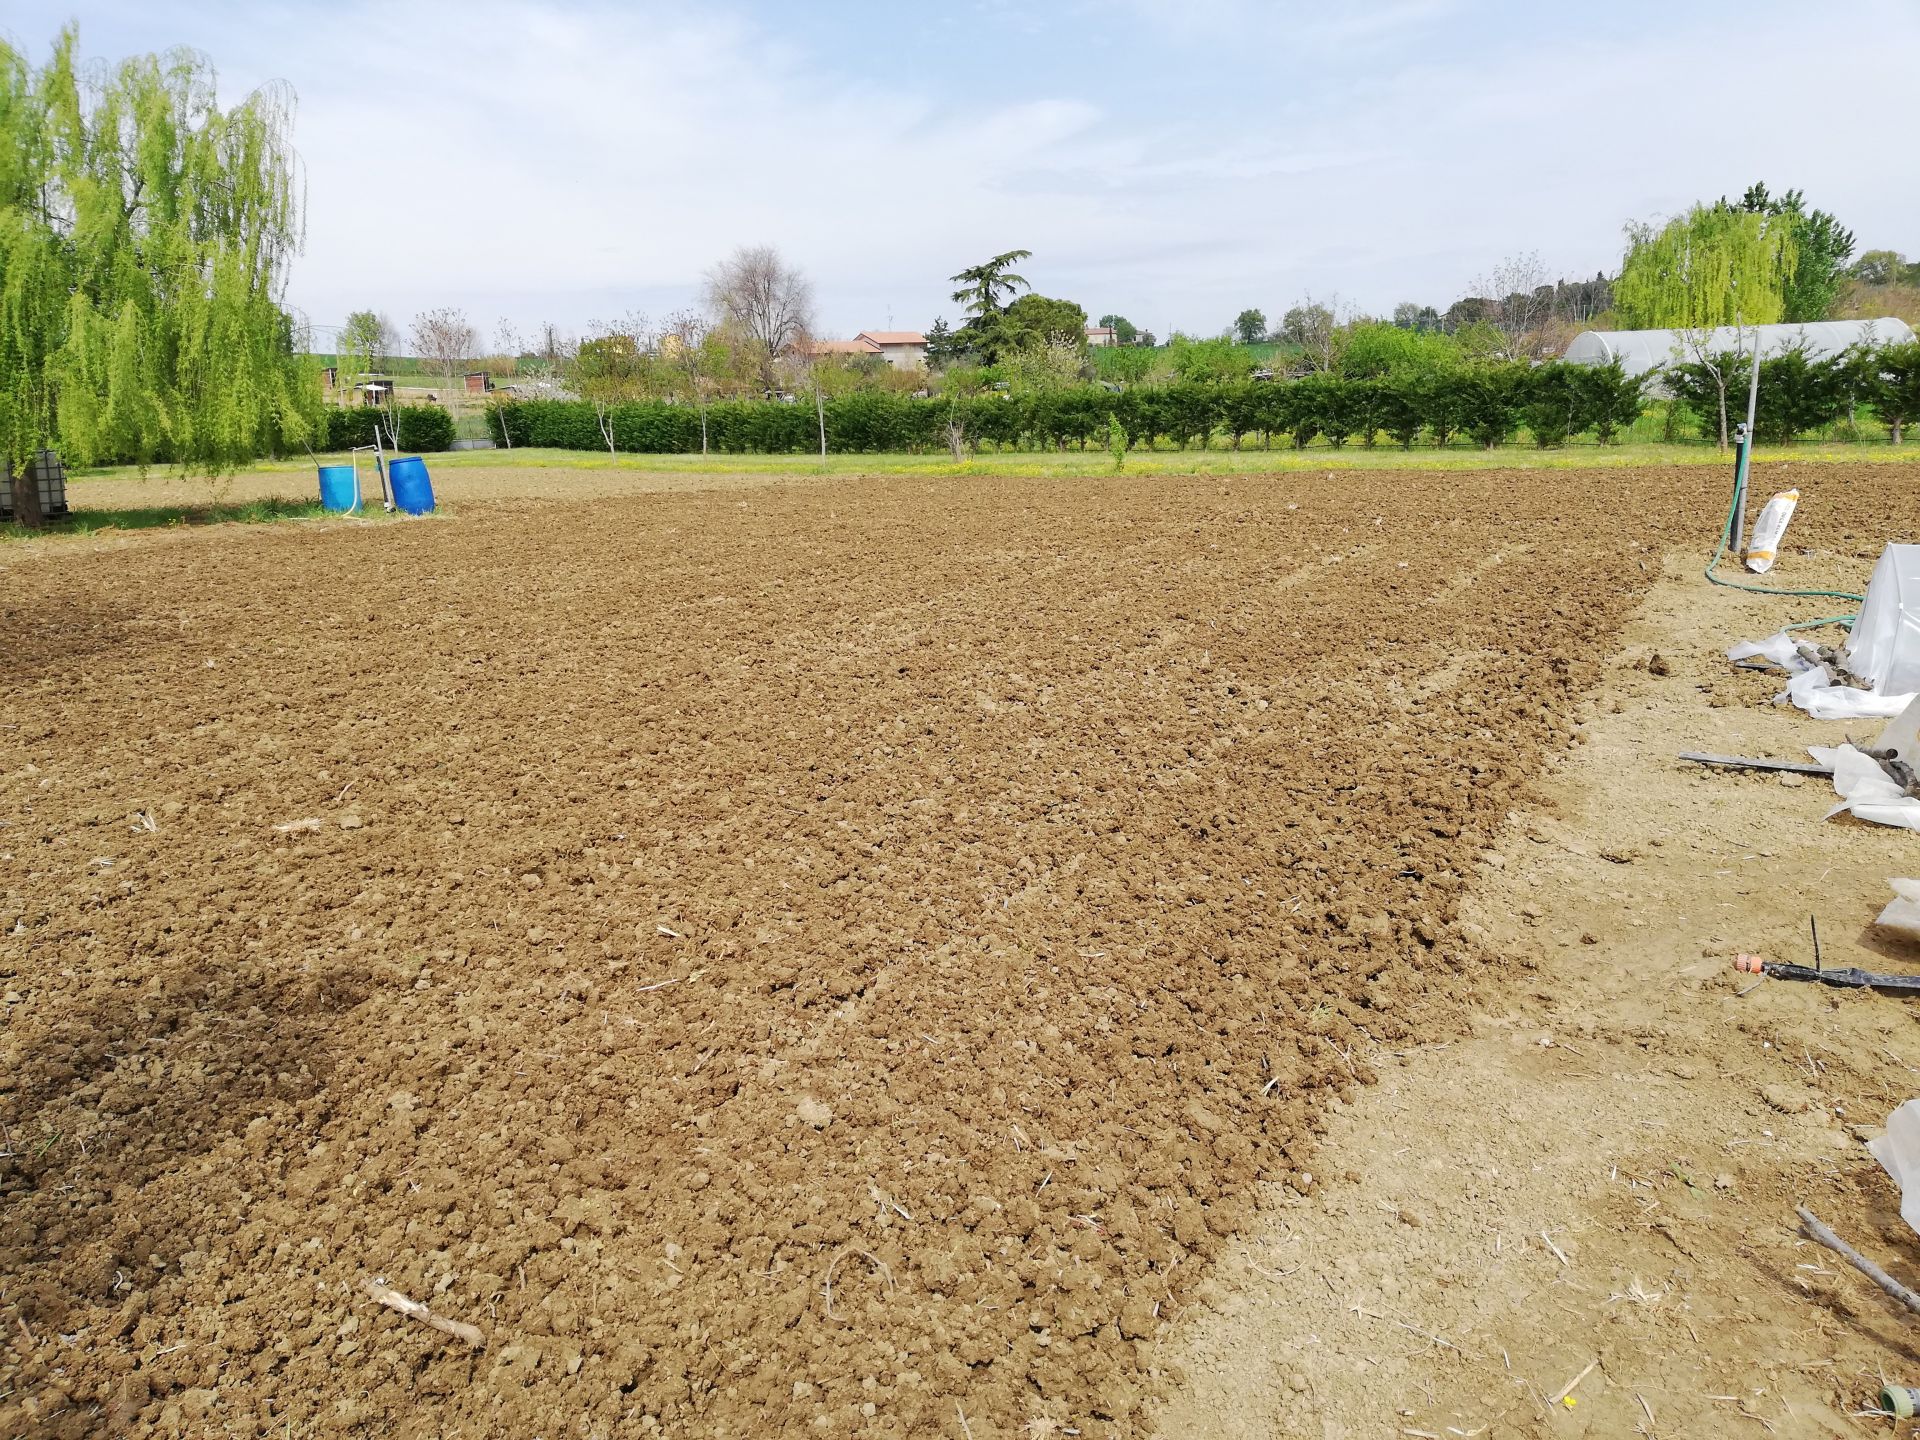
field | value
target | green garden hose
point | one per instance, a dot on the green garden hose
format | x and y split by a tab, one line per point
1726	539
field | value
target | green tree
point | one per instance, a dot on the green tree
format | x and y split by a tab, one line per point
1035	320
1713	266
1821	246
985	288
1549	403
364	342
1128	364
1895	386
1610	400
1482	399
1209	360
1376	349
1250	326
1797	394
1409	315
942	348
1123	329
1045	365
145	236
1884	267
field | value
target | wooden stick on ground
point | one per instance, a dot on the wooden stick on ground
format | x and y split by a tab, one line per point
414	1310
1815	1230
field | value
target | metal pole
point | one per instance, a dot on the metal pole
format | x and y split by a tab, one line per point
1746	449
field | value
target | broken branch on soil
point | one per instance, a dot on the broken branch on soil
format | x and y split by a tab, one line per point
414	1310
1816	1229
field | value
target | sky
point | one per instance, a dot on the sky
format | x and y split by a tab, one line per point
1173	161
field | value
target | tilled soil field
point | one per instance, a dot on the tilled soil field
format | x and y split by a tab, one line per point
823	960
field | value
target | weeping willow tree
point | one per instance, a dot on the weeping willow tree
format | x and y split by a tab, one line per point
1712	266
145	236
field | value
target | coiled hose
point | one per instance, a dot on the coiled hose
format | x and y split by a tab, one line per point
1726	539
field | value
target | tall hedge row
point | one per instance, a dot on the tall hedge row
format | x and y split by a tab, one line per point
1486	402
421	427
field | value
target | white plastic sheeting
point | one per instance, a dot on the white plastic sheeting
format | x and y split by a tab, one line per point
1884	648
1898	1152
1866	791
1812	687
1643	351
1902	913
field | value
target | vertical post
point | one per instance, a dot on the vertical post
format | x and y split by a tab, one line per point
820	412
1745	459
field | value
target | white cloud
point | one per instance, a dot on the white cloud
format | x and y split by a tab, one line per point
567	161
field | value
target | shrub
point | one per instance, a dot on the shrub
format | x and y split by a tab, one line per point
1609	400
1797	395
1550	404
1895	386
423	428
1481	399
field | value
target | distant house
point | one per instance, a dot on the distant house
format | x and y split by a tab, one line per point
902	349
1101	335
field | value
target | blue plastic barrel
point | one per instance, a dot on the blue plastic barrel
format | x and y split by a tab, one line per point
412	490
337	488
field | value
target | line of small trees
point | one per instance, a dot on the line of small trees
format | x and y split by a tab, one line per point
1487	404
1484	403
1799	393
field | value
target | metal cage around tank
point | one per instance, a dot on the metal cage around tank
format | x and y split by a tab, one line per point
37	494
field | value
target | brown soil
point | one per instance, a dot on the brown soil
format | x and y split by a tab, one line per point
817	960
1622	1097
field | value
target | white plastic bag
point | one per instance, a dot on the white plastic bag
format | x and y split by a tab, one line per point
1898	1152
1884	649
1763	545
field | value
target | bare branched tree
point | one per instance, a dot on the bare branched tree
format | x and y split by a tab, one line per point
445	337
1520	305
554	345
763	298
1317	329
686	346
